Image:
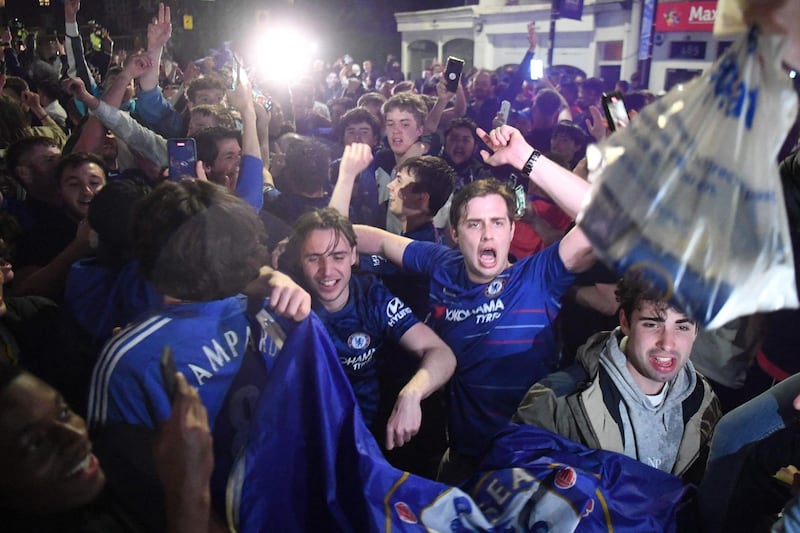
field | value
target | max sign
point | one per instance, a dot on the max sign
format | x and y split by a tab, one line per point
685	16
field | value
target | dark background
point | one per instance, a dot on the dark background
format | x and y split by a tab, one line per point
365	29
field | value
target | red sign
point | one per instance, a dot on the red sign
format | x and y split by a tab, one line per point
685	16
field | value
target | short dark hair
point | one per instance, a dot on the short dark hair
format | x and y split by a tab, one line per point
196	241
19	148
344	101
571	130
432	175
307	165
206	140
547	102
219	112
410	102
325	218
76	159
480	188
593	84
356	116
462	122
203	84
633	289
17	85
49	88
371	97
110	216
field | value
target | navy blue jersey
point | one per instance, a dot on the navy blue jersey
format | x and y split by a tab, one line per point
371	315
501	332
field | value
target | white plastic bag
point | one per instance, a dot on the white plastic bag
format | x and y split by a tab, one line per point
689	194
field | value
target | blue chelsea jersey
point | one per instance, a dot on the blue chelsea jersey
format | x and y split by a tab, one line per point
501	332
358	330
207	340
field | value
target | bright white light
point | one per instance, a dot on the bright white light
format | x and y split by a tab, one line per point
793	74
282	53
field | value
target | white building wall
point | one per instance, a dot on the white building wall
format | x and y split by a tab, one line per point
499	33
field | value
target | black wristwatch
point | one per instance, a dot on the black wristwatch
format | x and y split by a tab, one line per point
528	168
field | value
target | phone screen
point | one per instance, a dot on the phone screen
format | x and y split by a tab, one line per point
537	69
616	112
234	74
182	158
168	370
452	73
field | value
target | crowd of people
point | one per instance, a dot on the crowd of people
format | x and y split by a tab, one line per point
422	238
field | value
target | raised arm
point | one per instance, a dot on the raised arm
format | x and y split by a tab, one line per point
523	72
380	242
250	185
436	367
159	32
434	117
76	59
136	67
355	159
564	187
509	147
242	99
144	140
459	108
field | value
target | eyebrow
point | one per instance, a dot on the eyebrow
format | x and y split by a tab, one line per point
684	320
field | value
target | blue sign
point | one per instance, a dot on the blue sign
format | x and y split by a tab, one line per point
571	9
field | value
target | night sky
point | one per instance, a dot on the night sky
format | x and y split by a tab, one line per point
363	28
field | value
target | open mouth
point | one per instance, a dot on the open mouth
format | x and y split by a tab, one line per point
488	258
328	284
663	363
86	466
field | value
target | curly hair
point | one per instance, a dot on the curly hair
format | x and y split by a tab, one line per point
633	289
196	241
307	164
204	84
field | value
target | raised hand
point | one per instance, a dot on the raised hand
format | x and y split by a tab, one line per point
75	88
160	30
508	147
533	40
71	8
355	158
138	64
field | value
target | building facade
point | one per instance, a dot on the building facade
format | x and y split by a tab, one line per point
665	42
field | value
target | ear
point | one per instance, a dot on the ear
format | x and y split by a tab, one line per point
425	202
453	233
24	174
353	256
623	323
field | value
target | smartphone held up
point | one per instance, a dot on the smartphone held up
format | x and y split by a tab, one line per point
616	112
452	73
182	158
